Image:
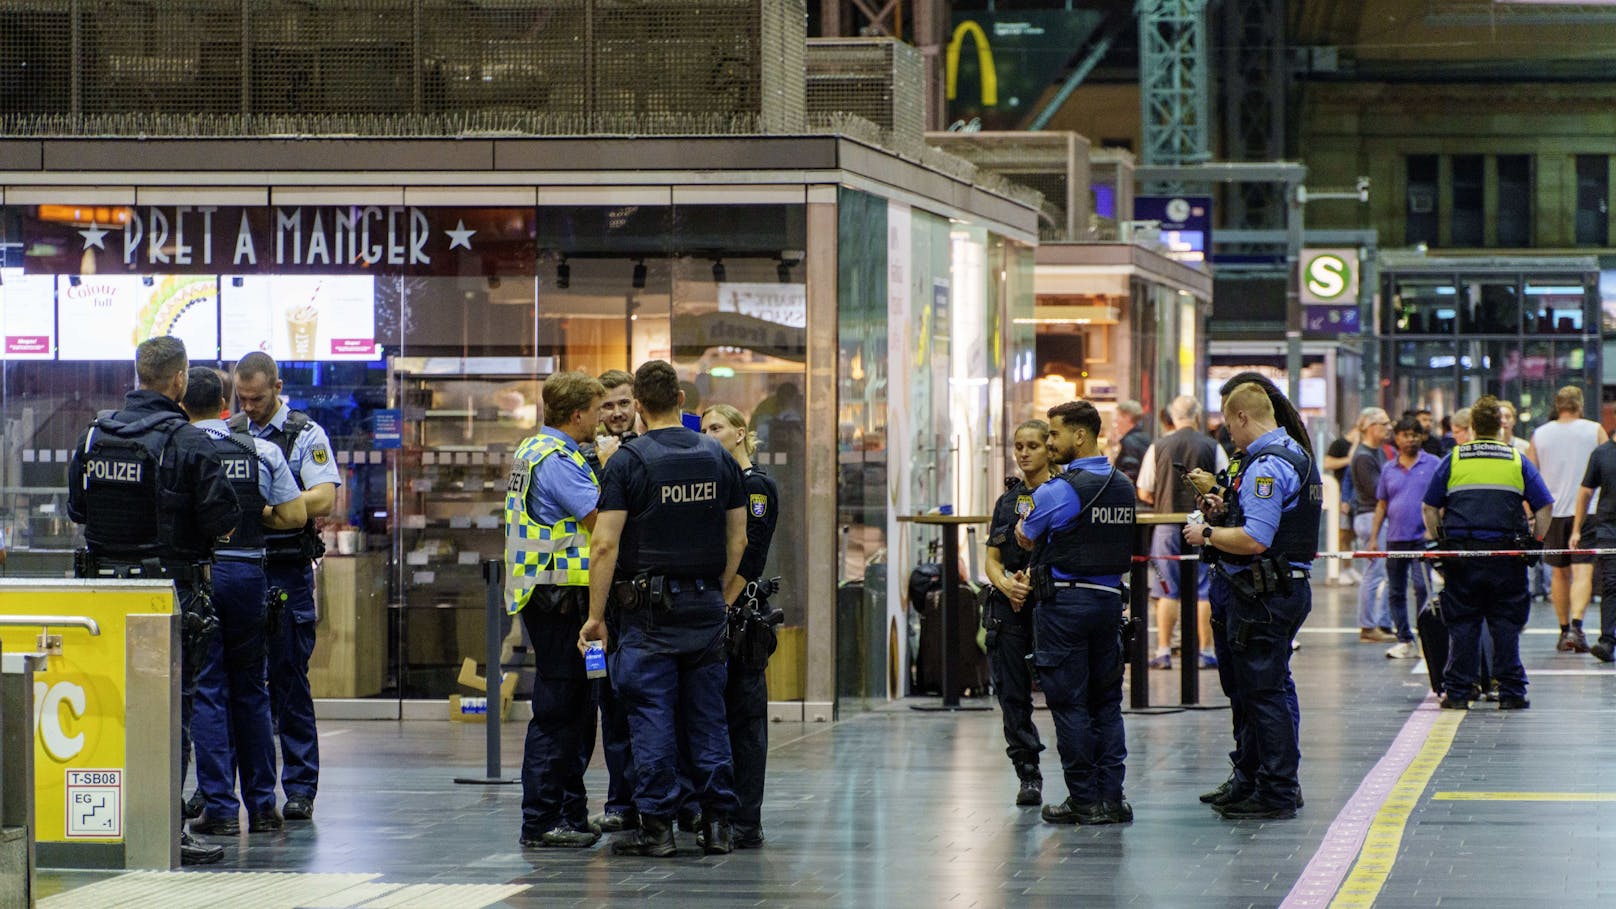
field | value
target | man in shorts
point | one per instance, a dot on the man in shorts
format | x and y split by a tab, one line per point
1560	450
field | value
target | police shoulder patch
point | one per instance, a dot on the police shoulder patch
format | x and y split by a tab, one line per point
1264	488
319	455
759	505
1023	505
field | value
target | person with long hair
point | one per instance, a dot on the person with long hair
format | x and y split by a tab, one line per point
746	693
1007	614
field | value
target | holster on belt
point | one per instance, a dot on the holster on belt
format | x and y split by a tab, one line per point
631	595
1043	584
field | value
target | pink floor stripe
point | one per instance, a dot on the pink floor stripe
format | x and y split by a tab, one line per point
1330	865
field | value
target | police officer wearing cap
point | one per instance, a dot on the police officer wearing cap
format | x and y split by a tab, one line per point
231	725
616	428
1081	531
1474	502
669	537
1007	615
1262	547
289	565
149	490
550	503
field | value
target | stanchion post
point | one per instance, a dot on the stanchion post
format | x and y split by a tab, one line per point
1139	610
493	581
1189	623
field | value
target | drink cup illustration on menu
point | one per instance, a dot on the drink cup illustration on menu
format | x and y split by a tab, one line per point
302	326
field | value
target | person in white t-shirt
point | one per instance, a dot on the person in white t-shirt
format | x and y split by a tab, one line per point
1560	450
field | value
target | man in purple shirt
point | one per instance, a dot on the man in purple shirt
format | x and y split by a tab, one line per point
1398	495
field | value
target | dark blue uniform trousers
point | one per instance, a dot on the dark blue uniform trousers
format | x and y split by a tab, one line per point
187	595
291	703
746	705
614	734
1266	716
561	735
1079	659
670	674
1009	642
1493	590
231	725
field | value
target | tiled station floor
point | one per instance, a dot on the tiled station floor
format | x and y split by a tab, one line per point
894	807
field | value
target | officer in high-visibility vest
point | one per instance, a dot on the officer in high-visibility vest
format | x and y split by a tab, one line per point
550	503
1474	502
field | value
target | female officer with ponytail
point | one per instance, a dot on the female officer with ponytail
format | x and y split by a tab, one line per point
746	695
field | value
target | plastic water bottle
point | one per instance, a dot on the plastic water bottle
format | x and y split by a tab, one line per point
595	660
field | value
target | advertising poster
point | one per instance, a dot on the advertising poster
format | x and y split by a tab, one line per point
103	317
28	315
299	317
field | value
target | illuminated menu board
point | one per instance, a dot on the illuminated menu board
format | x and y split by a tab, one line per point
299	317
105	317
27	315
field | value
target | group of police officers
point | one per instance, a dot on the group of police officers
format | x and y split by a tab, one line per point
1060	544
649	546
166	489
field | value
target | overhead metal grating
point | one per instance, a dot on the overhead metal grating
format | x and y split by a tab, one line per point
404	67
881	80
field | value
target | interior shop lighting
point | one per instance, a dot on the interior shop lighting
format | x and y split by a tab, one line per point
718	271
639	274
563	274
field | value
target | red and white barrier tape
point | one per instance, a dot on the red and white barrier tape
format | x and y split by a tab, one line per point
1413	554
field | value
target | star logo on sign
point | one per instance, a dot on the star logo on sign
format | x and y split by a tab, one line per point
94	235
460	237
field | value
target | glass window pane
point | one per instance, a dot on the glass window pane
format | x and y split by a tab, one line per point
1490	307
1421	219
1465	225
1514	200
1424	308
1593	200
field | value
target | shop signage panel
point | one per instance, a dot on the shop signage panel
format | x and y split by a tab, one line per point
997	66
1186	223
28	315
104	317
288	239
389	432
782	304
1331	320
693	335
299	317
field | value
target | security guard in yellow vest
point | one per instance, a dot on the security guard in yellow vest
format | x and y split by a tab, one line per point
1474	502
550	503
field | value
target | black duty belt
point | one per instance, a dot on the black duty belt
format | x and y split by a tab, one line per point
1297	574
246	560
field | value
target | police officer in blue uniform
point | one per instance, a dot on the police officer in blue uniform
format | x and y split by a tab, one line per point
231	726
752	638
289	563
1007	614
1262	547
149	490
1474	502
668	538
616	428
1081	528
550	508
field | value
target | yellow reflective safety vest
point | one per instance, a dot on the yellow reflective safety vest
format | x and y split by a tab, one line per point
1486	486
555	554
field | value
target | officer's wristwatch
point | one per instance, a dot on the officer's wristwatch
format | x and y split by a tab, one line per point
1206	533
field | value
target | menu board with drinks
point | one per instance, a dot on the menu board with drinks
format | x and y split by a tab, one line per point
103	317
299	317
27	315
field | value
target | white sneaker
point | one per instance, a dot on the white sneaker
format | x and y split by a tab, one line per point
1403	650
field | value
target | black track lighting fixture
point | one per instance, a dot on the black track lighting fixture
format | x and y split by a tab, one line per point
782	269
563	274
639	274
718	271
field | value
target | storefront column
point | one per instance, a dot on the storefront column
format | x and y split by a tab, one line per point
819	702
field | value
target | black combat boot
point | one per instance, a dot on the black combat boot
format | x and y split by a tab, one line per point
654	839
717	836
1032	785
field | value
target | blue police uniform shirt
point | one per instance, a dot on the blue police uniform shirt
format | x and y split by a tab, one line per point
1536	492
559	487
311	459
1264	502
275	481
1057	505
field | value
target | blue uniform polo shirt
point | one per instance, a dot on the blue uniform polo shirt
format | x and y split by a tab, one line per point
1266	484
560	487
1055	505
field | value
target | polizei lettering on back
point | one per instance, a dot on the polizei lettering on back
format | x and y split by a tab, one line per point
682	493
237	468
113	471
1119	515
